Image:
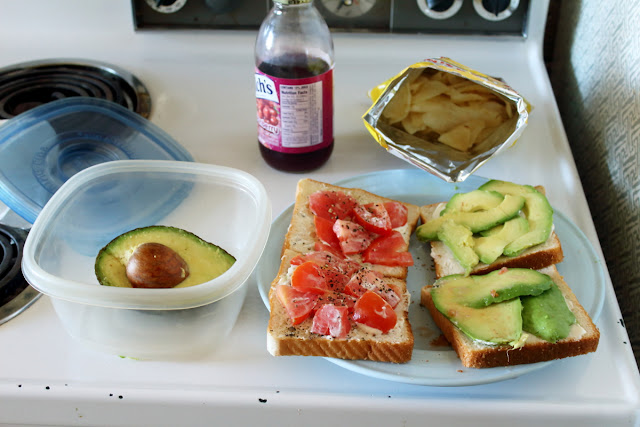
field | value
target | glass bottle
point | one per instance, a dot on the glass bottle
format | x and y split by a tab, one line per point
294	61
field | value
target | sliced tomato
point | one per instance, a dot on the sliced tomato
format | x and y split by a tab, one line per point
352	236
335	280
328	259
324	231
331	205
398	213
308	277
323	247
298	304
369	280
337	298
362	281
319	257
388	250
390	293
331	320
373	217
372	310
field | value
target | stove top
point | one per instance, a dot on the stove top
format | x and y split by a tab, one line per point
15	293
30	84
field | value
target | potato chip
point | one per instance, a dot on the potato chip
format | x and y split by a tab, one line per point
427	90
399	106
413	123
462	97
463	136
447	108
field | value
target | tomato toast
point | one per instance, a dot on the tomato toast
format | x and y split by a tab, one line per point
341	290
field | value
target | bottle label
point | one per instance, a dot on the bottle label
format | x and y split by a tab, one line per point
295	115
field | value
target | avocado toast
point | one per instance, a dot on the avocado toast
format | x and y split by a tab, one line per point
498	298
500	334
501	224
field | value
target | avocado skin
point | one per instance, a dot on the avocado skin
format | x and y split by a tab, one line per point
537	210
206	260
547	315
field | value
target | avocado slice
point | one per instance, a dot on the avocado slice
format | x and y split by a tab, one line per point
473	201
536	209
547	315
475	221
492	242
459	239
488	307
497	286
160	257
497	323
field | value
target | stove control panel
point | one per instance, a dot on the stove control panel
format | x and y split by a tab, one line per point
486	17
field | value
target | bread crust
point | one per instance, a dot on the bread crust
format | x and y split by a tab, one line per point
285	339
474	355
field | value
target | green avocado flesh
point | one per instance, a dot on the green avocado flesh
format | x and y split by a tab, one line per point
504	219
473	201
547	315
205	260
460	240
489	308
490	245
497	323
536	209
497	286
475	221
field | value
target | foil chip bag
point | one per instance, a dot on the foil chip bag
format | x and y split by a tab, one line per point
445	117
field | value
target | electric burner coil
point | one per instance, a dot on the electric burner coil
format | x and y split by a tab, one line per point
27	85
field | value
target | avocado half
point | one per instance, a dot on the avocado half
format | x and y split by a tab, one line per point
204	261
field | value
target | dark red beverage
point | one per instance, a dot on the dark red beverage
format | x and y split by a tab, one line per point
294	67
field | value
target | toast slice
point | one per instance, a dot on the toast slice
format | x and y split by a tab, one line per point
301	236
362	342
285	339
536	257
584	337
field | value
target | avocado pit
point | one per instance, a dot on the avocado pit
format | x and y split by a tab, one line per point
154	265
160	256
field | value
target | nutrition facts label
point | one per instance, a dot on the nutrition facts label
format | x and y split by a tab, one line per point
301	114
295	115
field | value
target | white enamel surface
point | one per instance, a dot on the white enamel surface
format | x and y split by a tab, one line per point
202	91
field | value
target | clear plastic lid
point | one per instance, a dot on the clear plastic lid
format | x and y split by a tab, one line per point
45	146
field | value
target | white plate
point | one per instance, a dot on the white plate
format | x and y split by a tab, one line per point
434	364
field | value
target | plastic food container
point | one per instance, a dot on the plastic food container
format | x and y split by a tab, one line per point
221	205
43	147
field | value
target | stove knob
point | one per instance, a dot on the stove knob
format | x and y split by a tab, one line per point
220	7
495	10
439	5
166	6
439	9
